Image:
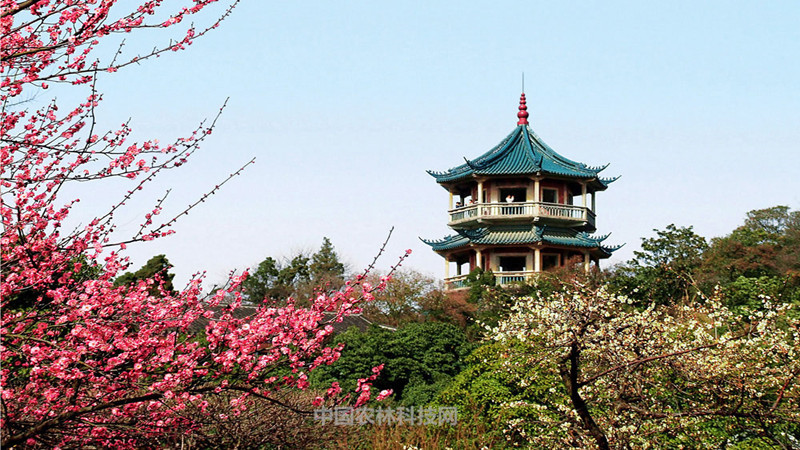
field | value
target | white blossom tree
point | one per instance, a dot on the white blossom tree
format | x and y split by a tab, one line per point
695	375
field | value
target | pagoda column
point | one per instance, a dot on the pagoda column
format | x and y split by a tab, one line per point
478	258
446	268
583	193
586	261
451	199
536	197
537	260
594	195
480	192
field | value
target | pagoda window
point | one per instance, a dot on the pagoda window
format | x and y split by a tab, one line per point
519	194
512	263
461	202
550	260
549	195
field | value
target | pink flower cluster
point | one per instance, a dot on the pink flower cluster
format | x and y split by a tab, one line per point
83	362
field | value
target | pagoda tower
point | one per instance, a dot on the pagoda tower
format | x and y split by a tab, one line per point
519	209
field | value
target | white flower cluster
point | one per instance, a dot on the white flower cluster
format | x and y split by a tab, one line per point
659	368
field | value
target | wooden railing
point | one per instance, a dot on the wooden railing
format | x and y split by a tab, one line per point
460	281
512	277
456	282
521	209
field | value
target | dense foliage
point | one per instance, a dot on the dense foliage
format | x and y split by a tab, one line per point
506	384
419	359
762	256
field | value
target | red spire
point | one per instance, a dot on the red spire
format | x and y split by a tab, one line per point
523	111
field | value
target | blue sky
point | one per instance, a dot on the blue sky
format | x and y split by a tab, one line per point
695	104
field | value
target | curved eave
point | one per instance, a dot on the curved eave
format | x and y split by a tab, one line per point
446	243
597	238
564	237
607	250
606	181
453	241
601	184
598	169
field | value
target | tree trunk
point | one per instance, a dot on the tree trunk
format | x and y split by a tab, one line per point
568	369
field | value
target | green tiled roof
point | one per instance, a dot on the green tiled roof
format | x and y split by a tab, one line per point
521	235
521	153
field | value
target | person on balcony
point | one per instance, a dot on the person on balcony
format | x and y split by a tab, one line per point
509	210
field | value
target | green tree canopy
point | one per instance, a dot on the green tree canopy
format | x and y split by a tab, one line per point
664	268
159	266
410	296
767	244
276	280
325	264
762	256
298	276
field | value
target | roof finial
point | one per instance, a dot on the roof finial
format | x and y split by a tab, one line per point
523	111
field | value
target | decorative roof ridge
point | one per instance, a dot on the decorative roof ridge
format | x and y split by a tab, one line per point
497	151
479	162
532	155
557	157
469	163
539	231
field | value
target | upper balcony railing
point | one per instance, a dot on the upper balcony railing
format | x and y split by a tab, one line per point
521	210
503	278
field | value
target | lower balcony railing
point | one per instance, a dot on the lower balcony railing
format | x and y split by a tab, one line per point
460	281
456	282
521	209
